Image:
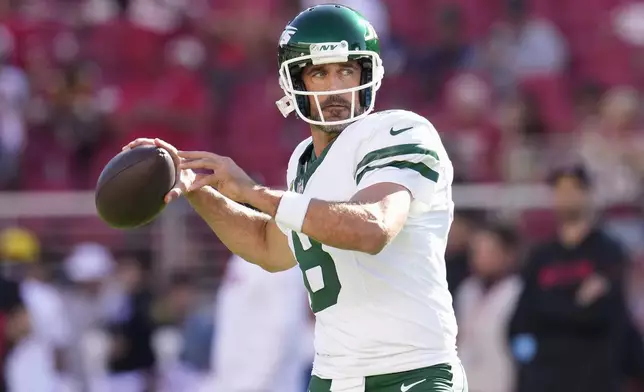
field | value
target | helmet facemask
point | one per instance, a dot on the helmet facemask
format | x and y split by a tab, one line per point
297	98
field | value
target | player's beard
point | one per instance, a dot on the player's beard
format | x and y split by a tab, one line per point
334	114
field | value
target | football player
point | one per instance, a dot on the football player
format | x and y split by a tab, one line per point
366	216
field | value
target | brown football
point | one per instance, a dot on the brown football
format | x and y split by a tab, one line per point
131	187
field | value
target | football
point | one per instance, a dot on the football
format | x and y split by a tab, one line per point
131	187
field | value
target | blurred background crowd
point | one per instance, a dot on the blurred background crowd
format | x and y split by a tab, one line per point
529	96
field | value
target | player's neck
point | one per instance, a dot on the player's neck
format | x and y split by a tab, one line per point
321	140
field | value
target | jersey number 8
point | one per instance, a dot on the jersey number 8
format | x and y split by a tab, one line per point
315	258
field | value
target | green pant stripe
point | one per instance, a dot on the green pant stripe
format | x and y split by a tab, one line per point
438	378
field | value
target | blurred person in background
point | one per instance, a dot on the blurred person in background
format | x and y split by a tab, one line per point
634	358
457	255
450	52
131	360
182	320
76	114
14	96
586	99
41	351
612	147
568	329
467	129
484	305
234	53
162	17
15	323
89	268
521	45
523	138
262	331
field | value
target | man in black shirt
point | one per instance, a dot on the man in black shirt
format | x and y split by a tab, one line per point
14	322
567	329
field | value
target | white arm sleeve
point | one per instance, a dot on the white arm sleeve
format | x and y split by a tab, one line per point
291	173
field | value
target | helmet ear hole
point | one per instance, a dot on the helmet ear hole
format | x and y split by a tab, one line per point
365	95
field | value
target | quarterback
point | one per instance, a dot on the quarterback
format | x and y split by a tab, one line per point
366	216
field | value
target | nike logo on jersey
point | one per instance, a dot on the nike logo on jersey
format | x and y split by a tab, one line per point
399	131
405	388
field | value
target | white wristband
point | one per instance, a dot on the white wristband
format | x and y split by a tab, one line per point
292	210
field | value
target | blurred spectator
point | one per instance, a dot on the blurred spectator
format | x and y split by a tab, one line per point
587	99
17	247
14	326
485	303
158	16
612	147
522	45
42	349
14	96
88	267
76	113
179	308
449	53
635	355
262	341
457	257
233	49
523	139
131	358
568	327
468	131
15	323
100	11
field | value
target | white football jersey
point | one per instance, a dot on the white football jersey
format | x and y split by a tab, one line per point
390	312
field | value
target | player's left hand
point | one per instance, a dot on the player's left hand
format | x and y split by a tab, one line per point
226	177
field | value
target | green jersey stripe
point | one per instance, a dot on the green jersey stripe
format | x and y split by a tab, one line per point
392	151
421	168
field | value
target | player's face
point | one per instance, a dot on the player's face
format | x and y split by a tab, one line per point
330	77
571	199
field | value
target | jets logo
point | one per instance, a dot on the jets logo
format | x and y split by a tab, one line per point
370	32
287	34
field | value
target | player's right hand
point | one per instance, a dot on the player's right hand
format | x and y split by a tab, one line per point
184	177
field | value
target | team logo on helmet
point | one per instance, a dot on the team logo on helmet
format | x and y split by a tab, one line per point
287	34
